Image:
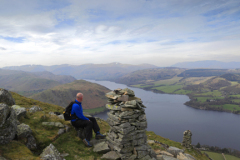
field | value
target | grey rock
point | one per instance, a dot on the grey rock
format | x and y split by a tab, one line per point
190	157
4	112
31	142
101	147
2	158
168	158
61	131
175	151
61	116
51	153
112	155
64	154
113	107
35	109
23	131
6	97
56	124
8	124
147	157
67	128
96	141
20	111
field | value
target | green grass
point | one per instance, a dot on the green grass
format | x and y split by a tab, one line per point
168	89
235	96
230	157
230	107
182	91
215	93
218	156
215	156
202	99
236	100
167	81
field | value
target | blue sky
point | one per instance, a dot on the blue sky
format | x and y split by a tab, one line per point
159	32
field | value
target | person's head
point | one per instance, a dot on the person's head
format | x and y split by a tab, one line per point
79	97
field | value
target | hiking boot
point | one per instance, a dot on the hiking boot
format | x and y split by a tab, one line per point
87	143
100	136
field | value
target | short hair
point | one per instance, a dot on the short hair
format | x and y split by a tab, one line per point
79	95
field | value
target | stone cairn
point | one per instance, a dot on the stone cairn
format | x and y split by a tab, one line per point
187	139
128	124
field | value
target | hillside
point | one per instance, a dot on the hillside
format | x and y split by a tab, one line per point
62	95
67	142
148	75
208	64
86	71
27	83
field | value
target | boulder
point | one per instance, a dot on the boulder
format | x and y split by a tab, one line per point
166	153
168	158
25	132
112	155
61	131
175	151
35	109
150	142
101	147
61	116
6	97
181	156
51	153
20	111
8	124
2	158
189	157
56	124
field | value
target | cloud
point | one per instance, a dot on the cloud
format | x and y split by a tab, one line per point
103	31
2	48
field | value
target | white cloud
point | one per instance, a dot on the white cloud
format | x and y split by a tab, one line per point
104	31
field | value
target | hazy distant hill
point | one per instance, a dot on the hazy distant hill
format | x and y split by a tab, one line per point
62	95
141	76
208	64
87	71
27	83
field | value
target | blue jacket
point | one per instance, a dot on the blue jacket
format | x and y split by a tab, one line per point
78	111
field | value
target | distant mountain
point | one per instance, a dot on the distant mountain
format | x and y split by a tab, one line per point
208	64
141	76
27	83
62	95
87	71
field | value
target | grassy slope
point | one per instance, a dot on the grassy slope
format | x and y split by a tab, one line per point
66	143
62	95
218	156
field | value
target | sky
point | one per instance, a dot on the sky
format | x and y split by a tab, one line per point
158	32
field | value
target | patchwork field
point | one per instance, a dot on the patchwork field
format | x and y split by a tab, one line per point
210	93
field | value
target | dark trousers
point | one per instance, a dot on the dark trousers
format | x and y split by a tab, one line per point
88	126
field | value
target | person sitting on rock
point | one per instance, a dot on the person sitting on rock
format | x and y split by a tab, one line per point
80	121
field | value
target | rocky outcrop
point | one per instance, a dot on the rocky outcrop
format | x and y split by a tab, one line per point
56	124
8	123
187	139
35	109
6	97
128	124
51	153
24	133
20	111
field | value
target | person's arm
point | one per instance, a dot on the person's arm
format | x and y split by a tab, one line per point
77	109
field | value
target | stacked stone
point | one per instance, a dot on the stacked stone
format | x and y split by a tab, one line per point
187	139
128	124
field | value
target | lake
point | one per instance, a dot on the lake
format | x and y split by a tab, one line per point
168	117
